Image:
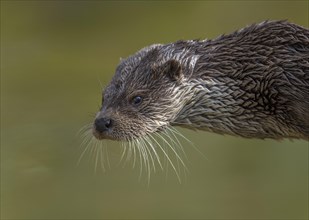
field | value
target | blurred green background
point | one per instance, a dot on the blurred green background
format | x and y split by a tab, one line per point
54	55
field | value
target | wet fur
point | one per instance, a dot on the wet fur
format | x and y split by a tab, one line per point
252	83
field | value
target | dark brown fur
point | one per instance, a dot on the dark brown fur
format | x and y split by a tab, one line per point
252	83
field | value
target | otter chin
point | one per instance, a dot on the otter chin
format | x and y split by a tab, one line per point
252	83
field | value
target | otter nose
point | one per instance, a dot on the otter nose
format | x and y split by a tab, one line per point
103	124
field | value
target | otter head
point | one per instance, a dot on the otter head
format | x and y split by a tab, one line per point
140	99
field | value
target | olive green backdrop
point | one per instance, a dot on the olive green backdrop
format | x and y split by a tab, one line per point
54	55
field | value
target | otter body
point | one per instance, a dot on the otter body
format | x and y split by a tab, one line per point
252	83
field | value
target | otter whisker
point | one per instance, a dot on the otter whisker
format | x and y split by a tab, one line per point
178	149
88	146
148	162
178	146
102	159
129	153
149	142
171	147
96	154
166	162
167	157
86	133
140	159
167	146
107	156
172	129
149	153
92	150
124	149
86	136
176	141
83	129
145	156
175	131
85	140
134	156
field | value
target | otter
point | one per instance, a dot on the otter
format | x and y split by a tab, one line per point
252	83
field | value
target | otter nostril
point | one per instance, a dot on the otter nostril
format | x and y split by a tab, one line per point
103	124
108	123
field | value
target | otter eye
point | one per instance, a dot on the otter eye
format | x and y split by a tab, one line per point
137	100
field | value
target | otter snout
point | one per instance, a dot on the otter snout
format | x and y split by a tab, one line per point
102	127
103	124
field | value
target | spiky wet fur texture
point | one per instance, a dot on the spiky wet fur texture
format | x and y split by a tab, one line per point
252	83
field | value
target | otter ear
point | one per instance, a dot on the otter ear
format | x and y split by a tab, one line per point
172	69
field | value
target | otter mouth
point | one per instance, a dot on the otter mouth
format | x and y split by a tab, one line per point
103	135
109	134
98	135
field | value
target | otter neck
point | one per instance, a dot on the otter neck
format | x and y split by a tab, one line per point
220	94
210	105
